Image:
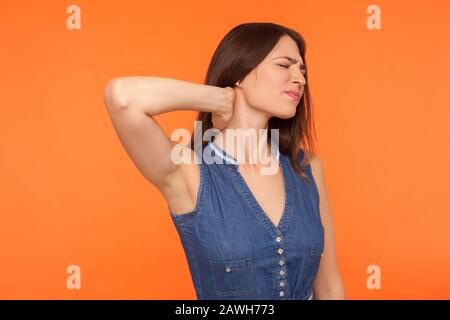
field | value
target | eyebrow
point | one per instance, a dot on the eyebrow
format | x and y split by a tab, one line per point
302	66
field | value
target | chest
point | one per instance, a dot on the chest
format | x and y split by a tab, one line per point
268	191
245	212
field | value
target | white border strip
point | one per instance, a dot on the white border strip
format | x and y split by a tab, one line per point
220	154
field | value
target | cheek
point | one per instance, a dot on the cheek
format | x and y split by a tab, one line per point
267	91
269	86
273	80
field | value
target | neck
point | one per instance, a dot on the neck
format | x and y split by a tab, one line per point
246	137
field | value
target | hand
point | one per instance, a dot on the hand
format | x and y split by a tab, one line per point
221	118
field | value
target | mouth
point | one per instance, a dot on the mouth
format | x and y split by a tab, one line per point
294	96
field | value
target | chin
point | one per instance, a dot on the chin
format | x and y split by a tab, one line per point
285	115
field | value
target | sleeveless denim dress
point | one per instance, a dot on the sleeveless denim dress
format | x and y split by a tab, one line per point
234	251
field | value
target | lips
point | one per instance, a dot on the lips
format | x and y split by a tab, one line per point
293	94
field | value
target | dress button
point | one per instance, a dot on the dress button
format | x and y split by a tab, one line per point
227	269
280	251
281	262
278	239
281	293
281	283
281	273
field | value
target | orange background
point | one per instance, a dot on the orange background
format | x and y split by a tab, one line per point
71	195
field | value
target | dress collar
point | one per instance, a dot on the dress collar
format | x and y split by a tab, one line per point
229	159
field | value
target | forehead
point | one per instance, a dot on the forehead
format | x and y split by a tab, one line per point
286	46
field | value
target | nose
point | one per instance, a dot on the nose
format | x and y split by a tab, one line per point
299	78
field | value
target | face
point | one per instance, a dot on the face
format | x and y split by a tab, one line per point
265	86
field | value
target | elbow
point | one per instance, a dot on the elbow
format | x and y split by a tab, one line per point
114	95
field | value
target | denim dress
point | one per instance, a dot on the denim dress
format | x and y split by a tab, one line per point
234	251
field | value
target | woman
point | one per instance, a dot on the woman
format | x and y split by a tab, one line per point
246	235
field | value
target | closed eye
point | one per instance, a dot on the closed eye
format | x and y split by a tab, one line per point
286	66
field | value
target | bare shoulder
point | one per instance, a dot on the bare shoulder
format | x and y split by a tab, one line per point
315	162
181	186
317	170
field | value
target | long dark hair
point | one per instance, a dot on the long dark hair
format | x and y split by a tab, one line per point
240	51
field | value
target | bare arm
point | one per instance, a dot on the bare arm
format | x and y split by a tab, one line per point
328	284
132	102
156	95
